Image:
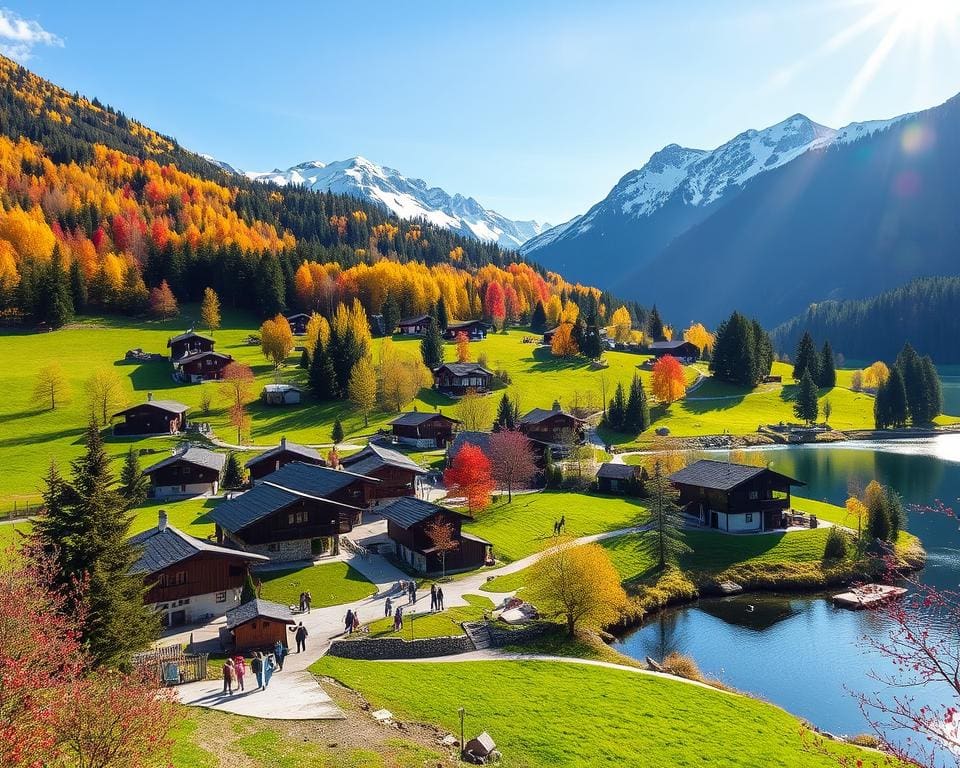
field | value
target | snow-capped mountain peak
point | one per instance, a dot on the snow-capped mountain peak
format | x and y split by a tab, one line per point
409	198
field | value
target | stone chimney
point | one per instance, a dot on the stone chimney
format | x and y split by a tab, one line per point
162	520
283	443
149	396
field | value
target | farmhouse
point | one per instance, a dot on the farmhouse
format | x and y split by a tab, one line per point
259	624
479	439
476	330
296	513
397	473
154	417
201	366
414	326
189	343
408	522
189	471
270	461
190	579
280	394
460	378
298	323
423	429
548	335
680	349
734	497
553	427
620	478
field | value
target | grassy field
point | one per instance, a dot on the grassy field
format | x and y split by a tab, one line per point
328	584
552	714
525	526
443	624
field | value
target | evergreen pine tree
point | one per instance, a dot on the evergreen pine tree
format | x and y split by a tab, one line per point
343	351
806	407
443	318
592	346
637	416
579	333
617	409
538	320
911	369
78	287
896	398
655	325
232	472
431	345
304	360
806	359
933	393
882	417
270	286
337	433
134	485
762	353
879	525
742	353
249	590
506	418
828	370
391	315
321	376
664	537
898	517
54	303
86	529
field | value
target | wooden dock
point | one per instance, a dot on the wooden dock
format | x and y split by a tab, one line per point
867	596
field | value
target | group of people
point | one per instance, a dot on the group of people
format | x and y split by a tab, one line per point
560	526
351	622
305	600
262	665
436	598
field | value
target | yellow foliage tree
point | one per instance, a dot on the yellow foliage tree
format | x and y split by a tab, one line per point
620	325
875	375
463	348
318	329
210	310
276	340
700	337
553	308
362	387
563	344
401	376
51	388
856	510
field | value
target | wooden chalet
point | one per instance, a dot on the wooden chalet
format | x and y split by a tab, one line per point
201	366
735	497
190	580
460	378
398	474
189	343
296	513
553	427
259	624
414	326
684	351
620	478
407	522
298	323
423	429
476	330
281	394
479	440
188	472
270	461
154	417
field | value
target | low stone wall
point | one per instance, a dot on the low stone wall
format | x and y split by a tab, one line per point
502	636
373	648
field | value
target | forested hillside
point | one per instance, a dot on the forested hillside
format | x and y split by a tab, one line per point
925	312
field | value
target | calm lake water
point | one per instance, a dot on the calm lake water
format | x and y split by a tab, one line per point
800	652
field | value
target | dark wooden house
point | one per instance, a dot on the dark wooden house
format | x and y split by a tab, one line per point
190	472
398	474
259	624
423	429
684	351
154	417
479	440
190	579
407	523
413	326
734	497
296	513
298	323
201	366
476	330
189	343
460	378
620	478
270	461
553	427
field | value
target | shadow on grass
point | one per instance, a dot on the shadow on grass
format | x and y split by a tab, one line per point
545	361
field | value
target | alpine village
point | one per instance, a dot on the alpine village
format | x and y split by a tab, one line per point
325	466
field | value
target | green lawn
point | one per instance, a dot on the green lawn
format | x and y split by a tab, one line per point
553	714
328	584
525	526
443	624
189	515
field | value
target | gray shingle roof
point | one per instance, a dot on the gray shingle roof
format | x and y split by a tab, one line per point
542	414
466	324
616	471
280	489
722	475
375	456
199	457
413	320
408	511
295	448
463	369
416	418
480	439
673	344
188	335
256	608
161	549
171	406
191	356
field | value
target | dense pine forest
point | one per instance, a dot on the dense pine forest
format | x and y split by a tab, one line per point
925	312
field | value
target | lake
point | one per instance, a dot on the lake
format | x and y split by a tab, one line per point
799	651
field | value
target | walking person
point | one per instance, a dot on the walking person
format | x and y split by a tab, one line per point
239	669
279	652
256	665
300	635
388	607
303	602
268	667
563	524
433	598
439	598
355	627
556	527
398	619
413	593
308	599
348	622
228	676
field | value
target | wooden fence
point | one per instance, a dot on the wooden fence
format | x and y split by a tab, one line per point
172	665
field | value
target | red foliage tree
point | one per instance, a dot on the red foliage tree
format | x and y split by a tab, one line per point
668	382
511	460
512	303
469	475
163	304
494	305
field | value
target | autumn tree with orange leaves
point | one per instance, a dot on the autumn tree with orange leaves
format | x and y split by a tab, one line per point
163	304
463	348
563	344
470	476
669	383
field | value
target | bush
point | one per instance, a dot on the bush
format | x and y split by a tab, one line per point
682	666
482	360
836	546
867	740
502	376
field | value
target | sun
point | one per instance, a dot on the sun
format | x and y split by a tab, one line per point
922	15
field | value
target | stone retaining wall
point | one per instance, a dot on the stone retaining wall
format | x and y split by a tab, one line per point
502	637
373	648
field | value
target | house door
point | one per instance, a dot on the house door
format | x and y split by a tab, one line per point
714	519
178	618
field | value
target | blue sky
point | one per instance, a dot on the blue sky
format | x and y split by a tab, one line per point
534	108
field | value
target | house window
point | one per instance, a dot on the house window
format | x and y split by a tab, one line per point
748	517
754	495
296	518
221	597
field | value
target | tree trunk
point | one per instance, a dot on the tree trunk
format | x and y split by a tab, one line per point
571	624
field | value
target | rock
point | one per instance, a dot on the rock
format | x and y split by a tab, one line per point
383	715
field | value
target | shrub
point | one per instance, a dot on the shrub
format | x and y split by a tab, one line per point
836	546
682	666
867	740
482	360
502	376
